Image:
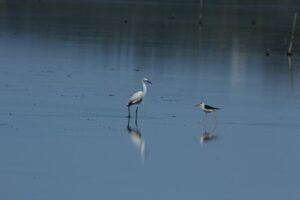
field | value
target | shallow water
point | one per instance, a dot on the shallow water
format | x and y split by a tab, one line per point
67	71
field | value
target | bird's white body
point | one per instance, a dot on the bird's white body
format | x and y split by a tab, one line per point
138	97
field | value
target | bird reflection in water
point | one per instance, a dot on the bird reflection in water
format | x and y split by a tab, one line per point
137	139
207	135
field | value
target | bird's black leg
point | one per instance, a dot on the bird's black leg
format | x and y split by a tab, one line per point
215	127
216	120
128	111
136	113
136	125
205	117
204	125
137	108
128	122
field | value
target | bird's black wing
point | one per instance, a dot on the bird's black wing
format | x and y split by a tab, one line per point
210	107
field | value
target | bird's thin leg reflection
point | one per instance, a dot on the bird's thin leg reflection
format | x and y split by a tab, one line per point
291	72
290	62
137	138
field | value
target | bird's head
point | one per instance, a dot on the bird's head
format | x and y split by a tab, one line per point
201	103
146	80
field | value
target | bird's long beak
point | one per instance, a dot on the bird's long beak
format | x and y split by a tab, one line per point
149	82
198	104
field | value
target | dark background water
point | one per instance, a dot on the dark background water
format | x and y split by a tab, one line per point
68	68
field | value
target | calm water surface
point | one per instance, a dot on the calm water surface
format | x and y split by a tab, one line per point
68	69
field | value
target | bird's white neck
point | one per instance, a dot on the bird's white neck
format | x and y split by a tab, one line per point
144	88
202	106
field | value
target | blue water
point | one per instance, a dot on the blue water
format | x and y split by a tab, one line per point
67	71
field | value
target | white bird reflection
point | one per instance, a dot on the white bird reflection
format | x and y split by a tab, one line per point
137	139
207	136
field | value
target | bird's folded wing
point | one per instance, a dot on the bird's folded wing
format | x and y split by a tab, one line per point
210	107
136	97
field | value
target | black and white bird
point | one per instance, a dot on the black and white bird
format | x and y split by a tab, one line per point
138	97
207	108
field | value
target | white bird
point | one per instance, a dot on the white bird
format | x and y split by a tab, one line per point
207	108
138	97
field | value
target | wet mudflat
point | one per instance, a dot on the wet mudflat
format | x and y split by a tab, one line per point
67	71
